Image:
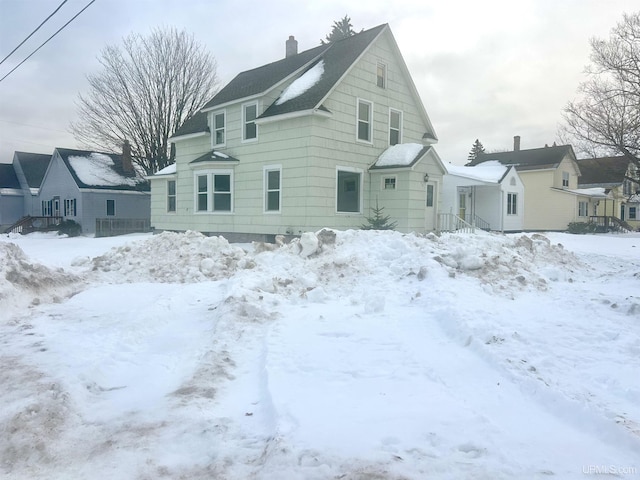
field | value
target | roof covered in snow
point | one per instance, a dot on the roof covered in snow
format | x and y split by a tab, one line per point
214	156
401	155
97	170
491	171
531	159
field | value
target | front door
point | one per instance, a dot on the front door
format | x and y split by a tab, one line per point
430	207
56	206
462	205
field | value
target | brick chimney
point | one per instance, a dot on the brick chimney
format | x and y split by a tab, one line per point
127	166
291	46
516	143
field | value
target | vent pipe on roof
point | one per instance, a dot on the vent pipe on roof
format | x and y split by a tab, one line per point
127	166
516	143
291	46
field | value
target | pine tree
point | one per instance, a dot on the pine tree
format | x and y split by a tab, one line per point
341	29
379	221
476	150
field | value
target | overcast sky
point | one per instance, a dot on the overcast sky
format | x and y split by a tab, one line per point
488	70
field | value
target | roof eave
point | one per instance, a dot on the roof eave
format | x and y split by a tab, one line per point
297	114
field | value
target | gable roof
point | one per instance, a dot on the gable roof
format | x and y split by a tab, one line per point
336	58
101	171
531	159
488	172
34	166
609	171
8	178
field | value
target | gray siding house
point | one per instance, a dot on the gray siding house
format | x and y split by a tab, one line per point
11	196
85	186
311	141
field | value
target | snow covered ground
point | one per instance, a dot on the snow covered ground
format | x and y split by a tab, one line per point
378	356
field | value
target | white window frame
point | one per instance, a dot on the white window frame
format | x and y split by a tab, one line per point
70	207
512	203
210	174
114	214
265	179
360	172
369	121
633	209
394	182
174	196
583	208
245	123
400	115
565	179
215	130
383	67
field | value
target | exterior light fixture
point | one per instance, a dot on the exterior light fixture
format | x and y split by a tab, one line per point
426	177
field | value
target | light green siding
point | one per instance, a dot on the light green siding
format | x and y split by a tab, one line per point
310	149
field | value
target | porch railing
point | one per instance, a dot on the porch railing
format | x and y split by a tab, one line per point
610	224
30	224
110	227
450	222
477	221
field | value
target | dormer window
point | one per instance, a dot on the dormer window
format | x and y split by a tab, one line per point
249	115
219	122
381	75
565	179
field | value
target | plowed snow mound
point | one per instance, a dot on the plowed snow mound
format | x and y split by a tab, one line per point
24	283
172	258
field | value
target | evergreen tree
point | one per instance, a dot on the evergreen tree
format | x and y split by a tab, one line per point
476	150
379	221
341	29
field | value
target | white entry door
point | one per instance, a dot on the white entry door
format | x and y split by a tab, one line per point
430	206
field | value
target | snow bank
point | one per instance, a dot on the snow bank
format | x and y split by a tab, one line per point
172	258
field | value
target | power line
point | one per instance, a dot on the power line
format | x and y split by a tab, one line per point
45	21
47	40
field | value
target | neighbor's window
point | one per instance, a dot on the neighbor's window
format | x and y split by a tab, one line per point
565	179
429	195
633	212
47	208
348	191
111	208
389	183
219	128
70	207
381	75
395	124
512	203
272	189
583	209
171	195
250	113
364	120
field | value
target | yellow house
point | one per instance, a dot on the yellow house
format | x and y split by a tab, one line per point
552	196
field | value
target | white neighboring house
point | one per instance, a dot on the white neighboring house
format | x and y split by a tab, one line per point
489	196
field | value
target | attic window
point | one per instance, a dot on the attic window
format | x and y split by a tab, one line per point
565	179
512	182
381	75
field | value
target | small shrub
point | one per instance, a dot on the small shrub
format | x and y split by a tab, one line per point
582	228
70	228
379	221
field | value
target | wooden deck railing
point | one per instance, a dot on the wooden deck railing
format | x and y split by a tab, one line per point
610	224
30	224
110	227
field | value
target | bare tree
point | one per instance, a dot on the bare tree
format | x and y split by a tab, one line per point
606	120
145	91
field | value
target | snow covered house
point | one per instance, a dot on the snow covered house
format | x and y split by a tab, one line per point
550	175
103	192
488	196
313	140
613	174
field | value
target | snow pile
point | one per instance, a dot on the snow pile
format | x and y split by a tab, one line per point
402	154
24	283
173	258
302	84
490	171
